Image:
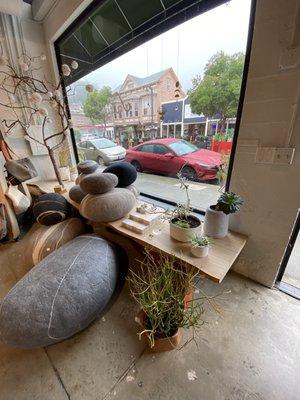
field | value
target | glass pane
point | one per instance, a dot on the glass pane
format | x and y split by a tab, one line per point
88	35
72	48
136	14
169	3
110	22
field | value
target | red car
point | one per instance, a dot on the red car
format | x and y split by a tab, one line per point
169	156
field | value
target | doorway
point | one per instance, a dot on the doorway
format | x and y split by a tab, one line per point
288	279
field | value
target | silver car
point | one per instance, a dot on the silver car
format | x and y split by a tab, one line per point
102	150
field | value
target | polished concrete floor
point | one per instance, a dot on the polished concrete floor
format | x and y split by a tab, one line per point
249	351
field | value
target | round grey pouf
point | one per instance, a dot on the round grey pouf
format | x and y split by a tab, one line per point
62	294
77	194
87	166
98	183
133	189
215	223
109	206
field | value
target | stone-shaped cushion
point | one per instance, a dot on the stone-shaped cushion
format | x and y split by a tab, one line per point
87	166
98	183
51	208
125	172
109	206
77	194
133	189
47	239
62	294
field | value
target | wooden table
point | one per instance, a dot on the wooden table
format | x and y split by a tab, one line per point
221	256
222	252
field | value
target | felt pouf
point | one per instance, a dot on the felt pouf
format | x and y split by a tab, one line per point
47	239
98	183
125	172
109	206
50	209
77	194
87	166
133	189
62	294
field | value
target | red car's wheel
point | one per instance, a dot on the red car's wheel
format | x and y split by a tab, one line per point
137	166
189	173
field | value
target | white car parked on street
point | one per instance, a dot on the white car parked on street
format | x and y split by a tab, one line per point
102	150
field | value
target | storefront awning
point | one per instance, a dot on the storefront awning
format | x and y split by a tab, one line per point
108	29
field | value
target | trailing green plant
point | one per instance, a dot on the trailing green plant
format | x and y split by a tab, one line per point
200	240
159	287
229	203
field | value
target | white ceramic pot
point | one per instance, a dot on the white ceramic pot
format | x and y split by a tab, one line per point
215	223
184	234
199	251
64	173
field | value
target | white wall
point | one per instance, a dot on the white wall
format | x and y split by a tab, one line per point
271	113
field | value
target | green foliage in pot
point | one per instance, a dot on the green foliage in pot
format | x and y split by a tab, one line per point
182	224
159	287
229	203
200	241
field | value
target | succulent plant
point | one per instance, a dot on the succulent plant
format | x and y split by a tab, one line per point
229	203
200	240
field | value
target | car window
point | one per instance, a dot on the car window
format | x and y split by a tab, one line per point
90	145
182	147
103	143
82	144
147	148
160	149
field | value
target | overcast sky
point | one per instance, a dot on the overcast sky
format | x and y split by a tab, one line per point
186	48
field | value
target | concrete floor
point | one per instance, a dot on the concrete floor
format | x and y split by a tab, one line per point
250	351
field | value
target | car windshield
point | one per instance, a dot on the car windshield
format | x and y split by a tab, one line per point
103	143
182	147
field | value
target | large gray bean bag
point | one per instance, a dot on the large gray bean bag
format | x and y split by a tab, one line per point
62	294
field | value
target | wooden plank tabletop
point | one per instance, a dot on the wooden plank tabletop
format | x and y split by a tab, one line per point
222	252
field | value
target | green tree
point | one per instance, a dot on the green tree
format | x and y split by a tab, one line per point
219	90
97	105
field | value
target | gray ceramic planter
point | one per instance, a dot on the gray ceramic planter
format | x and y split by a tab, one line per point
215	223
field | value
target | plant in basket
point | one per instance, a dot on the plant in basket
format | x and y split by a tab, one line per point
160	287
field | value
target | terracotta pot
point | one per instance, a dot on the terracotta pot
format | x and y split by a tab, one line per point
160	344
188	298
184	234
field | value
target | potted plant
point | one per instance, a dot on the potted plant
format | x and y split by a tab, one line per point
200	246
160	287
64	169
183	225
217	216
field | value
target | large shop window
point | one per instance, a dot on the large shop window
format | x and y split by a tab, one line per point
167	78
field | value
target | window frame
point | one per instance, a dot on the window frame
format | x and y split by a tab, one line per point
203	6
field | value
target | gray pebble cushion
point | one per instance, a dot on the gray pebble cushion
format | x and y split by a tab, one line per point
62	294
98	183
51	208
107	207
77	194
87	166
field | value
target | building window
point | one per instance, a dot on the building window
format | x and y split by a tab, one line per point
168	84
136	109
146	107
